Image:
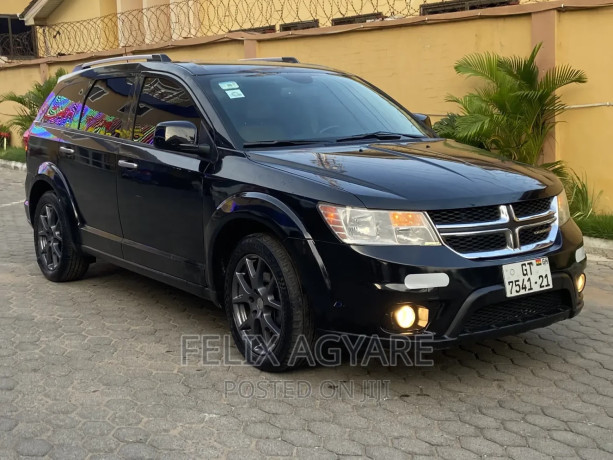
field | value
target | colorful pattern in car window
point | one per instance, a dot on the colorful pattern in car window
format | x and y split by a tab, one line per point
106	105
64	108
63	112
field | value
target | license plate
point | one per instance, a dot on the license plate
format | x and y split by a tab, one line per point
526	277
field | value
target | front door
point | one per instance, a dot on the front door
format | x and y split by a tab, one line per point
160	193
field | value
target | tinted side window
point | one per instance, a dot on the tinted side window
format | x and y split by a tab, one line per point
106	107
65	108
162	100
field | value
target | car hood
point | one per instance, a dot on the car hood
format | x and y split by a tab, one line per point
416	175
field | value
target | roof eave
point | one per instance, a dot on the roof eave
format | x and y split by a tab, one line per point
38	11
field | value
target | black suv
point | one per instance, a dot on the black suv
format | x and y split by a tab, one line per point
301	199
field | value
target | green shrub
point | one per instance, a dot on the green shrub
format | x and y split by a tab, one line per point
13	154
513	112
30	102
597	226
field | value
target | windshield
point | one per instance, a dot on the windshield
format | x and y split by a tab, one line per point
290	107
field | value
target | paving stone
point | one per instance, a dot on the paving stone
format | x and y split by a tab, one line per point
33	447
138	451
92	369
274	447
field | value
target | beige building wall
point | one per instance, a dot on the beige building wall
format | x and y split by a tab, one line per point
130	24
414	64
583	136
101	27
13	6
156	17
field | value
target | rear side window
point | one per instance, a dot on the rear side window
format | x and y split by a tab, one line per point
64	109
161	100
106	107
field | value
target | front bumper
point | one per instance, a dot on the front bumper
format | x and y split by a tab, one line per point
367	285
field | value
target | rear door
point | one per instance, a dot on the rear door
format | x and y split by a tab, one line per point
88	158
160	193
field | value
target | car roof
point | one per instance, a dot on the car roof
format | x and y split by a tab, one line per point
207	67
109	67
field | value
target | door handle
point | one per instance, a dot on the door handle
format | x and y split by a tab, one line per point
66	150
127	164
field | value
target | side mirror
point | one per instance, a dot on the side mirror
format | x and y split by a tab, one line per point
423	119
180	136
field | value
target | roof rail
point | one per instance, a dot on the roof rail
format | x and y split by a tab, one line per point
288	59
138	57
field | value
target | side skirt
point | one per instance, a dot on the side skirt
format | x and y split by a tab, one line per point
178	283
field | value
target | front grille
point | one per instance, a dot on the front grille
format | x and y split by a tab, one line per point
499	230
516	311
533	235
476	243
531	208
461	216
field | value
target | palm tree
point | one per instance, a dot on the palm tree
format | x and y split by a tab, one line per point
514	111
30	102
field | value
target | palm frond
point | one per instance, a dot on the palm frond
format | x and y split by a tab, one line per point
30	102
479	65
561	76
514	111
581	200
524	71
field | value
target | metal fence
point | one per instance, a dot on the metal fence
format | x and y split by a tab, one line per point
17	46
200	18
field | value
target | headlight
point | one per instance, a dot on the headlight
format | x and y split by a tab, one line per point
363	226
563	209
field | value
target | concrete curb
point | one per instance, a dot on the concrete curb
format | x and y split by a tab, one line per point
598	247
12	165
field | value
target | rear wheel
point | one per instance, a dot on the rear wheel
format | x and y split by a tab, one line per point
57	254
265	306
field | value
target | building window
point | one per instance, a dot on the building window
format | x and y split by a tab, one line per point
452	6
16	39
300	25
360	18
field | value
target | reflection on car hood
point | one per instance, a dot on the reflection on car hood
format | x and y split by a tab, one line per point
434	174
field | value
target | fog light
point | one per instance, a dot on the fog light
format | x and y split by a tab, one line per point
405	317
581	282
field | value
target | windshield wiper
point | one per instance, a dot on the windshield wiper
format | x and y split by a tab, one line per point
380	135
287	143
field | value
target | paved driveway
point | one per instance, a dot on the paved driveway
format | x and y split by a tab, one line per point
92	369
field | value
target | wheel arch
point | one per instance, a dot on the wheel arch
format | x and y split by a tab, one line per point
255	212
48	177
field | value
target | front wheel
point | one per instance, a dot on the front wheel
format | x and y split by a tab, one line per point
266	308
57	254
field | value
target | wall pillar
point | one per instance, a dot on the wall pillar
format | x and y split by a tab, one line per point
44	71
544	30
251	48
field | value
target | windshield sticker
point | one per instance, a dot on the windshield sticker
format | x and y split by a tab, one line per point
225	85
235	93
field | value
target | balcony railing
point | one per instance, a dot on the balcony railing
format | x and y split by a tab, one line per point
200	18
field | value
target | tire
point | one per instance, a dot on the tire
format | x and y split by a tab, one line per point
262	289
57	253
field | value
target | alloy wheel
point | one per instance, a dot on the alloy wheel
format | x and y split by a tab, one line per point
50	237
256	304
